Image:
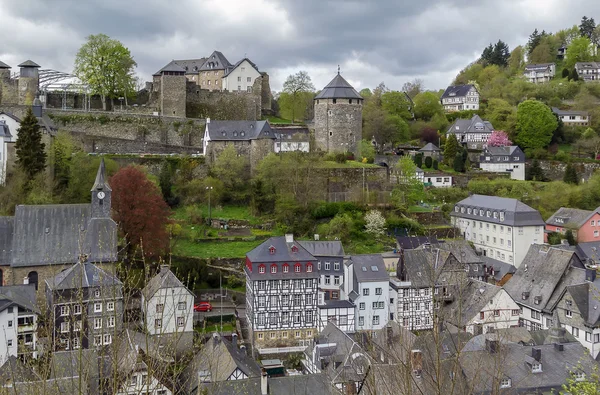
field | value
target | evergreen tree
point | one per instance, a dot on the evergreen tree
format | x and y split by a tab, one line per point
450	149
571	176
31	156
418	160
574	75
487	54
587	26
459	164
435	164
565	73
570	237
534	40
428	162
165	181
501	54
535	172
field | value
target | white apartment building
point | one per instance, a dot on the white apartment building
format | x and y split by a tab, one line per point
240	77
18	321
539	73
167	304
501	228
368	287
509	160
460	98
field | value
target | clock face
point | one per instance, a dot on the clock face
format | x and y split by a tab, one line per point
101	195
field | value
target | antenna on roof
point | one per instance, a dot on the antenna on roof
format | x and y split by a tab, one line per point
338	69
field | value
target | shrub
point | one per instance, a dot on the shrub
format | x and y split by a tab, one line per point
428	162
410	225
418	159
330	210
435	165
562	156
194	214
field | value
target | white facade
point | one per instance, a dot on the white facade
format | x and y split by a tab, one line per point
470	101
138	383
341	313
13	126
15	328
291	146
241	78
516	170
169	311
500	312
12	123
438	180
574	118
588	71
372	305
540	73
534	320
411	307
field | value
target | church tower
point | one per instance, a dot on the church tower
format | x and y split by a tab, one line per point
338	117
101	194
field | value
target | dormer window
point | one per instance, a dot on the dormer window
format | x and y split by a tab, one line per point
495	215
537	300
536	367
505	383
286	268
262	269
273	269
501	216
271	250
294	248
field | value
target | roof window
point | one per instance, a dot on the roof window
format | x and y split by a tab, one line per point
374	268
272	250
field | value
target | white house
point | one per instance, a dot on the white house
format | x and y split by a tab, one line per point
572	118
460	98
167	305
481	308
510	160
18	321
500	228
474	132
369	287
5	138
437	180
240	77
588	71
540	73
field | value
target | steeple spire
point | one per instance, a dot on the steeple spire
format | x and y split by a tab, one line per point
101	183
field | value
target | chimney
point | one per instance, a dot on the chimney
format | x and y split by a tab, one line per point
491	346
25	280
536	353
207	121
590	274
264	383
559	347
216	338
289	238
234	339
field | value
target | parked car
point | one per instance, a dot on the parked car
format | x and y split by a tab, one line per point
203	306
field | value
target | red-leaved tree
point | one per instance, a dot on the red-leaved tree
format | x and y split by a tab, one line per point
140	211
498	138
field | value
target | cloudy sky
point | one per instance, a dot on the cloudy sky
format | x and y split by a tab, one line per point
372	40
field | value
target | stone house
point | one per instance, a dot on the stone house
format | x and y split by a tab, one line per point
252	139
192	68
431	150
460	98
212	71
40	241
585	224
473	133
171	81
572	118
539	73
506	159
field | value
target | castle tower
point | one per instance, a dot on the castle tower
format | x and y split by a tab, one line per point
173	90
101	194
29	81
4	76
338	117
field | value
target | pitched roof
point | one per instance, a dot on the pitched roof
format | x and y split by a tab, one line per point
84	275
101	182
338	88
6	239
15	371
585	250
501	151
314	384
172	66
369	267
410	242
586	297
501	269
570	217
4	130
216	61
430	147
4	65
235	66
283	252
191	66
163	279
538	66
76	364
323	248
568	112
20	295
422	266
515	212
472	298
457	90
29	63
473	125
239	130
461	249
540	276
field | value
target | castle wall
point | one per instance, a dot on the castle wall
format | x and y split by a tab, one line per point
202	103
28	85
173	89
265	93
214	77
9	88
338	126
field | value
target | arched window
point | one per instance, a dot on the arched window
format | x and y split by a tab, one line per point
286	268
309	267
297	268
273	268
261	269
33	279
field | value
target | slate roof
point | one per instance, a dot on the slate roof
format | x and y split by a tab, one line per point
338	88
283	252
4	65
6	238
29	63
472	298
516	213
15	371
163	279
457	91
191	66
4	130
339	304
235	66
422	266
172	66
323	248
560	112
85	275
538	66
586	297
369	267
501	151
410	242
239	130
101	183
586	250
570	217
20	295
430	147
313	384
541	276
501	269
468	126
484	369
461	249
218	60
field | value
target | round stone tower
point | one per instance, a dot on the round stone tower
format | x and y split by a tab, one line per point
29	81
338	117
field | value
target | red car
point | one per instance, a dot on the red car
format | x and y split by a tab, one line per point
203	306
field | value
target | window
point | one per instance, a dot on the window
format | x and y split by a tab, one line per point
98	340
535	315
64	327
426	292
309	319
285	317
262	285
10	323
375	320
98	307
336	266
260	336
592	223
107	339
297	300
262	318
261	269
239	79
298	334
378	291
515	312
158	323
505	383
361	305
297	268
97	293
180	306
309	267
327	280
285	284
496	313
361	321
569	314
365	291
327	265
596	338
297	318
77	309
64	310
286	268
77	325
588	337
575	332
273	335
75	343
97	323
417	321
481	315
273	268
595	233
262	301
9	343
248	79
180	321
336	280
308	299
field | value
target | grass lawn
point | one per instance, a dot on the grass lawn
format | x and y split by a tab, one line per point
275	120
420	209
227	327
225	212
230	249
329	164
565	147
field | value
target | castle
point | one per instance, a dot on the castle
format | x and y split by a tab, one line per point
22	90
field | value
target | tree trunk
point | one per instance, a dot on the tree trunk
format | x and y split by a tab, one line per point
103	98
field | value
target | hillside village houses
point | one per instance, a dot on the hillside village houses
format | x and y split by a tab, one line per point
588	71
572	118
474	132
539	73
585	224
506	159
460	98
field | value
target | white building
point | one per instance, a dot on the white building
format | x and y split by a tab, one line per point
481	308
367	285
540	73
5	139
18	321
572	118
437	180
240	77
474	132
500	228
460	98
167	305
509	160
588	71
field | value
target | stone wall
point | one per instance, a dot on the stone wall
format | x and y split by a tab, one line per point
338	127
9	89
341	180
202	103
253	150
555	170
154	164
173	96
265	93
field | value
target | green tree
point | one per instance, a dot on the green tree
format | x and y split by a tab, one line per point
165	182
82	173
579	51
232	170
458	164
587	26
396	103
501	114
106	66
534	40
435	165
535	124
295	85
574	75
418	159
427	104
413	88
31	156
428	162
570	237
451	148
365	93
565	73
409	189
543	53
516	61
367	150
571	176
62	150
297	108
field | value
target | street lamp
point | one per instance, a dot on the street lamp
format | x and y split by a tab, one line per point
209	216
